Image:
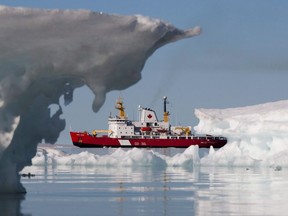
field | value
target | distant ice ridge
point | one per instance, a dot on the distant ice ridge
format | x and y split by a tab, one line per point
119	158
258	135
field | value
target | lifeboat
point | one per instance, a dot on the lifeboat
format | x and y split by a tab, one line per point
145	129
162	130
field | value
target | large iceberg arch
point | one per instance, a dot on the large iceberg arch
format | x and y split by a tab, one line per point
45	54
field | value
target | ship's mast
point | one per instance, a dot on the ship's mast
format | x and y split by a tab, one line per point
120	107
165	114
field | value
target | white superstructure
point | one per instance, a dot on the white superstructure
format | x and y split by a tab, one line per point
147	125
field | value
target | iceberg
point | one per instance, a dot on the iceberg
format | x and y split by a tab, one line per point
257	135
135	158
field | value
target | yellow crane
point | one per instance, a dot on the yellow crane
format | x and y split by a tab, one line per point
121	108
185	130
94	132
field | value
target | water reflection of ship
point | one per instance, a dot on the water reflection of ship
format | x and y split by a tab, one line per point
122	194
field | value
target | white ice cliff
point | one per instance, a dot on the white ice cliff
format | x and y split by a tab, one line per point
258	135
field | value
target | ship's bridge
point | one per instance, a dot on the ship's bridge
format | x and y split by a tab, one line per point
120	127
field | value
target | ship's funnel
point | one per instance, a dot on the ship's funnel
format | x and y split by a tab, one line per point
165	114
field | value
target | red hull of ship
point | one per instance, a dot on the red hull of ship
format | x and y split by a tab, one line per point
85	140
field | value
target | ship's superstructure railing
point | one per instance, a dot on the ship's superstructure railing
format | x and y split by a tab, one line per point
199	137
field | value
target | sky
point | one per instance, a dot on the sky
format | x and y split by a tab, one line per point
240	59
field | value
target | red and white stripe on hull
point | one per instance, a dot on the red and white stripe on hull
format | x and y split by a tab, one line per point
85	140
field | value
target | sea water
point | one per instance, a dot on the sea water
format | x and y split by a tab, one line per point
58	189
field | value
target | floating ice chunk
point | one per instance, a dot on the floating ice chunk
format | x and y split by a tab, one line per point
47	156
188	159
131	158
